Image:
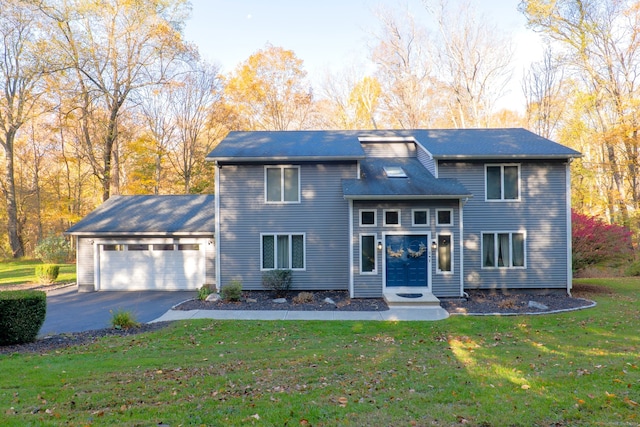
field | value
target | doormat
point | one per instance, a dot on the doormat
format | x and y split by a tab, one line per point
410	295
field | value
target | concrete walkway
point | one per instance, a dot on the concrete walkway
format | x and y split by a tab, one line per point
393	314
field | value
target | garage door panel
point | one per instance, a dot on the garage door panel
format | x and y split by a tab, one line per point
153	269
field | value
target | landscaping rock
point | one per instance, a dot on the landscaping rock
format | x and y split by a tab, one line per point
213	297
329	301
251	300
537	305
280	300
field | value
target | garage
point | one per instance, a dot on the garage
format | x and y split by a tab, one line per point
151	265
133	243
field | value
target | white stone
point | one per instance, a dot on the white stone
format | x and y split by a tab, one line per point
213	297
539	306
329	301
280	300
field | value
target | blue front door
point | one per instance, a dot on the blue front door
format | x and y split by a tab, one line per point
407	260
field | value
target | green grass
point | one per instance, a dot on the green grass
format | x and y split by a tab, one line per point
23	271
572	369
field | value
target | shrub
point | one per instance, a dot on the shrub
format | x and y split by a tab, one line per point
53	249
122	319
595	241
232	292
22	314
204	291
47	273
278	281
633	269
303	297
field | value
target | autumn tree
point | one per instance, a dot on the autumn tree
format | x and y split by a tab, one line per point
114	48
22	67
269	91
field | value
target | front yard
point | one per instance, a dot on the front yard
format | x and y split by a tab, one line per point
577	368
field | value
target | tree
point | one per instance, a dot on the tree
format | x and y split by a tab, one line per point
472	70
22	67
269	91
115	48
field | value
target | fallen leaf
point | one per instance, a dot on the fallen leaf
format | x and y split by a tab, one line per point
525	386
343	401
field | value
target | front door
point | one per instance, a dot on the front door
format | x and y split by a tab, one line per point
407	259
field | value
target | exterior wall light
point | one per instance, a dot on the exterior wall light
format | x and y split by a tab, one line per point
434	245
379	245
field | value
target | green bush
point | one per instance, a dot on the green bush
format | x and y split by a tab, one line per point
53	249
232	291
123	320
278	281
633	269
204	291
22	314
47	273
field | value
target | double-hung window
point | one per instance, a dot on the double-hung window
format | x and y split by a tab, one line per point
286	251
503	250
282	184
502	182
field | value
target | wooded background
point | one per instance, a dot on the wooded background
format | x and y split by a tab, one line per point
104	97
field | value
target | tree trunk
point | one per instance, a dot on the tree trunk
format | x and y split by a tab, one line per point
13	227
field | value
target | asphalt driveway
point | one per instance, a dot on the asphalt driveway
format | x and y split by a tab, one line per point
71	311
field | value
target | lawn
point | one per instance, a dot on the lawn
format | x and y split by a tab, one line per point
572	369
23	271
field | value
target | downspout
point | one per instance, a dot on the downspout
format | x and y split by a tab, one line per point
351	278
461	204
569	231
217	225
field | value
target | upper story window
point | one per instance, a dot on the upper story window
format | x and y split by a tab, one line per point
502	182
392	217
420	217
444	217
368	218
282	184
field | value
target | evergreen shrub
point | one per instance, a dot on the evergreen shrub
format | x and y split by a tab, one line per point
22	314
47	273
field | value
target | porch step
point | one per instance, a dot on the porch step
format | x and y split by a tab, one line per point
411	299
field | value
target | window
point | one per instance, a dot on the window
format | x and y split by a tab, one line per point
282	184
367	253
444	217
137	247
368	218
394	172
503	250
188	247
420	217
444	253
163	247
283	251
503	182
114	248
392	217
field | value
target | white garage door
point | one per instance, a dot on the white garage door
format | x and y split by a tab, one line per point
152	266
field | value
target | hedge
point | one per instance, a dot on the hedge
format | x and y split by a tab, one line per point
22	314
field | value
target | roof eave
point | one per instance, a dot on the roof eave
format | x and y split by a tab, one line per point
407	197
139	233
507	157
284	159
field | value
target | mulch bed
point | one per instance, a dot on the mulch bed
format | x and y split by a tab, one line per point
478	303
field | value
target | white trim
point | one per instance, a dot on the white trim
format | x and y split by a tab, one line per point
275	250
502	166
461	239
451	254
510	233
350	246
218	241
413	217
386	139
397	289
569	242
384	217
375	217
282	186
442	224
374	272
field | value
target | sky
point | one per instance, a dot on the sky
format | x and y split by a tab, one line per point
330	35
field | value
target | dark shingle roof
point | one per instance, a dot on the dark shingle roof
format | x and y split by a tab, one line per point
288	145
419	183
345	145
150	215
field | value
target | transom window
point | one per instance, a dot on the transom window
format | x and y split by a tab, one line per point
420	217
503	182
283	251
503	250
392	217
368	218
282	184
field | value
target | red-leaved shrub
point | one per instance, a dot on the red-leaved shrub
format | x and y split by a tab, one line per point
595	241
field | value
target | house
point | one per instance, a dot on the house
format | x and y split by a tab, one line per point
436	212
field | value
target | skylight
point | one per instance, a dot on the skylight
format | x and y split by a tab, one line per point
394	172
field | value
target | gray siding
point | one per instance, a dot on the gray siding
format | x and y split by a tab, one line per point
427	160
323	215
371	286
389	149
84	264
541	213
